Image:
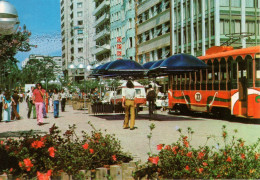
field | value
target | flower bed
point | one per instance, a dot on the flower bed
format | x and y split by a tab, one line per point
49	155
181	161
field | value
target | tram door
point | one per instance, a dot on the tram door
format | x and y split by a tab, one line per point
242	87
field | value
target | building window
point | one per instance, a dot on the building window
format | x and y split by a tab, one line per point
80	22
250	3
235	3
80	31
79	5
80	40
224	3
79	14
80	50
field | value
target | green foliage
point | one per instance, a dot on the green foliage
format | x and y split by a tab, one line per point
181	161
33	153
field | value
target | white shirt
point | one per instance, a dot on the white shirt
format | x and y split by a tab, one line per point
63	95
130	93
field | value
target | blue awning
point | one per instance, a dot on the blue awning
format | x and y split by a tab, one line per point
124	64
156	64
148	64
182	62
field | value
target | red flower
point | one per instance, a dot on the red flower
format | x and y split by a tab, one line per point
52	151
11	170
114	157
168	147
174	149
205	164
186	144
229	159
27	164
256	156
37	144
187	168
242	144
159	147
2	142
91	151
189	154
200	170
201	155
85	146
154	160
44	176
242	156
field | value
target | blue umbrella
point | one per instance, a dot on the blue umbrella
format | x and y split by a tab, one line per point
148	64
182	62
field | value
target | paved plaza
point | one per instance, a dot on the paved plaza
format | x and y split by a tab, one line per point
136	141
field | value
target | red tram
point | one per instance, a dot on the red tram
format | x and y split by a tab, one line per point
229	86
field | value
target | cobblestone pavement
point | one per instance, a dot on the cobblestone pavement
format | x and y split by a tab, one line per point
136	141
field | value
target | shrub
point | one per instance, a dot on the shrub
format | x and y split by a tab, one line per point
33	155
181	160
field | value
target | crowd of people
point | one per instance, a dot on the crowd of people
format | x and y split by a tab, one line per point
39	103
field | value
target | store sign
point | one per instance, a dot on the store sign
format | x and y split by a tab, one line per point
119	39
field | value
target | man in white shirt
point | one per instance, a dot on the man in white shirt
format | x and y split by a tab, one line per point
129	105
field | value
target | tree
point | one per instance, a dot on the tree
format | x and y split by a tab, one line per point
37	70
9	46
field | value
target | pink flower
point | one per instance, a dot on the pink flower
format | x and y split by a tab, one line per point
205	164
85	146
52	151
91	151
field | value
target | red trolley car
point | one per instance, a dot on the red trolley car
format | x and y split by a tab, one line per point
229	86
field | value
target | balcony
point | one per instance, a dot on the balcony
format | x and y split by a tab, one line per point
97	50
100	7
101	20
146	5
101	34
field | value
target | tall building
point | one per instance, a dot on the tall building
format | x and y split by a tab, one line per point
101	50
192	26
200	24
122	25
77	35
153	30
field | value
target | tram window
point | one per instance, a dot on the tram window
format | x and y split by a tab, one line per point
257	63
234	71
250	70
178	82
203	83
198	80
182	81
192	81
187	84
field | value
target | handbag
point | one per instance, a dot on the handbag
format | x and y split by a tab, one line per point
5	106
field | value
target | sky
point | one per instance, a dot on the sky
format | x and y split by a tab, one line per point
42	19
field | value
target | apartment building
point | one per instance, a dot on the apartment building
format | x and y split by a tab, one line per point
166	27
101	13
122	25
77	36
153	30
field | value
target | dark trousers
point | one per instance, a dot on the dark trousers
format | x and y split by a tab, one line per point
1	110
151	107
14	112
63	102
56	108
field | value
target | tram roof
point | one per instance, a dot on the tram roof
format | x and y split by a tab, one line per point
237	52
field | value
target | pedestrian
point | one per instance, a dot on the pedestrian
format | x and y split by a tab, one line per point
31	105
50	101
56	100
63	100
151	97
1	105
15	106
38	94
7	106
129	104
44	110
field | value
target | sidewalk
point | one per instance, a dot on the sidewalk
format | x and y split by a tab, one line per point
136	141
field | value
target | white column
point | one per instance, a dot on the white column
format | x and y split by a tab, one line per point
144	60
217	22
243	22
151	56
151	34
163	52
191	27
203	27
182	33
172	28
155	55
163	28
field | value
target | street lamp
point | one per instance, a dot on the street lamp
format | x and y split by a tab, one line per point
9	21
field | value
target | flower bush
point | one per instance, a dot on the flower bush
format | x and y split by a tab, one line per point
181	160
43	156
